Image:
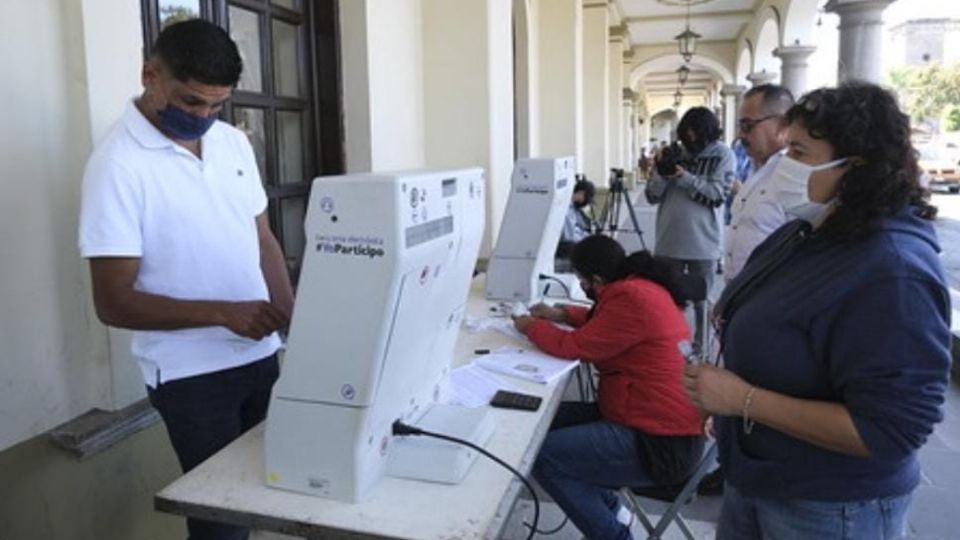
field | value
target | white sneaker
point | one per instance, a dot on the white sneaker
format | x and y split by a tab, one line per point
625	516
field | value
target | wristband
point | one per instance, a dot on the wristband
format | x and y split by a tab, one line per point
747	421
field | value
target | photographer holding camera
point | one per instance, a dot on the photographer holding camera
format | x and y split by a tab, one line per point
690	184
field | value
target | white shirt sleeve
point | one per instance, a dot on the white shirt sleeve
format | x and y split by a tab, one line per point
111	209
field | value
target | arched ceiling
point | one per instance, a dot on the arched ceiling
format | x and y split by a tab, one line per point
668	64
767	41
744	65
652	22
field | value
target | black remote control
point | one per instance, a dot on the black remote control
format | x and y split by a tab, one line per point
515	400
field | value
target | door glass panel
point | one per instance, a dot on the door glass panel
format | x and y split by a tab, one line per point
292	211
290	144
174	11
245	31
286	59
250	121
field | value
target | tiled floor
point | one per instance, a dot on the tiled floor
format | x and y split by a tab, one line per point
935	512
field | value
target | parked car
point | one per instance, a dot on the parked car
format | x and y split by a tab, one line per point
943	172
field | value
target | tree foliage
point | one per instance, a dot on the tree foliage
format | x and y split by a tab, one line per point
953	120
927	92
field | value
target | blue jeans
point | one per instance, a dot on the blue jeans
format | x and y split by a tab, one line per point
205	413
582	465
747	518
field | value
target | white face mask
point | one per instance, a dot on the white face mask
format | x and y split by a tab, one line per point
791	179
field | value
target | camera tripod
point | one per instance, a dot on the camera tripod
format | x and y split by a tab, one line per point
618	196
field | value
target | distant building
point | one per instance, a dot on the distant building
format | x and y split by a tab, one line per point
921	42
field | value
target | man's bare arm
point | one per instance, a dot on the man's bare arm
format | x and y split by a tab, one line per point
119	304
274	268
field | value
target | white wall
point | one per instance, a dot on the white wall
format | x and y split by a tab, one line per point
382	63
527	70
429	83
767	41
113	45
596	84
628	138
744	66
560	44
468	94
823	62
69	68
615	112
356	94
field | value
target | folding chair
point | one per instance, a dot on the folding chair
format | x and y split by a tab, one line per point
678	496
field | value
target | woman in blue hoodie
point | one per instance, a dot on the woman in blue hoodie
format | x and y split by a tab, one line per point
836	339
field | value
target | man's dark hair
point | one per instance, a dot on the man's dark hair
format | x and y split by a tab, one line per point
201	51
862	121
702	122
603	256
588	189
776	99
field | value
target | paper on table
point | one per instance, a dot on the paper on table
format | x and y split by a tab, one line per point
529	365
473	386
500	324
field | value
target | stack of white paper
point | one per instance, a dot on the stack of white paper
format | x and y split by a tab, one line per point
473	386
500	324
527	364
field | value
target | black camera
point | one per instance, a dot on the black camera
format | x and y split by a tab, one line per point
616	180
670	158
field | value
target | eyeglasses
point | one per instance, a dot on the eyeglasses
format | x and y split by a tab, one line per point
746	125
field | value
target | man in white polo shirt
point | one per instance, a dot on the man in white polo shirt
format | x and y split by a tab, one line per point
173	224
755	212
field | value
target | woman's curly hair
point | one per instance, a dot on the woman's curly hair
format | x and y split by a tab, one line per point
864	122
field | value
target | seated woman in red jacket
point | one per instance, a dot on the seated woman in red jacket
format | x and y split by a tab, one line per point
643	430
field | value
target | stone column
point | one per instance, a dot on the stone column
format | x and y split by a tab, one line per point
484	110
615	124
861	38
596	96
628	130
732	97
794	70
559	89
762	77
644	129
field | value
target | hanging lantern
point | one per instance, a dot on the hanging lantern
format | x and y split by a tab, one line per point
677	99
687	40
683	74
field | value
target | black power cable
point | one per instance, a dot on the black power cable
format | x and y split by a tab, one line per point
558	280
399	428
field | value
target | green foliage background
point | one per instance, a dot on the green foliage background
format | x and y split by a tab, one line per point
930	92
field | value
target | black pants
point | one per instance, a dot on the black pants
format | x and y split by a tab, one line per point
707	269
205	413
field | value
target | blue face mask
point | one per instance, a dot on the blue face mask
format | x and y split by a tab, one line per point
182	125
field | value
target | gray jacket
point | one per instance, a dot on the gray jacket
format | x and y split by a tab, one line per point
690	207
